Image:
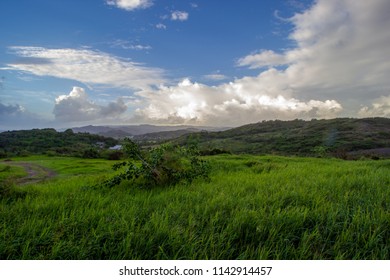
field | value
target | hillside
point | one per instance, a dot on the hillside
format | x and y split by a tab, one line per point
144	131
49	141
343	137
163	135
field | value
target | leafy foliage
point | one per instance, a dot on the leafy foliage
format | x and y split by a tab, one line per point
160	166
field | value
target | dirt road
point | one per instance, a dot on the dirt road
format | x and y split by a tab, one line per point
35	173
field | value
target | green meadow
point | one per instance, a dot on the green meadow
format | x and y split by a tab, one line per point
254	207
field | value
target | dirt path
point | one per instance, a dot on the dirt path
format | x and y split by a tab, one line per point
35	173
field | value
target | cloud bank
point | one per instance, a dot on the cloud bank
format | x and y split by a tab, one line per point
76	106
242	101
337	66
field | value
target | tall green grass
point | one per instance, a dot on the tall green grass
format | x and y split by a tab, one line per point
253	208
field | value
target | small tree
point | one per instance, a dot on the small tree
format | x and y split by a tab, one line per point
160	166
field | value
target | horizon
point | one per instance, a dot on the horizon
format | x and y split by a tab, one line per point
192	63
61	129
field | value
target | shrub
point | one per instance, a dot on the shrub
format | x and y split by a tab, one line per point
90	153
115	155
160	166
214	151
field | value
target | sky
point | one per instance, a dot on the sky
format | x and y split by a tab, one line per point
67	63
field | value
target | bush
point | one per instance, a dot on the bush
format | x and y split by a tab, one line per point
215	151
320	151
161	166
90	153
112	155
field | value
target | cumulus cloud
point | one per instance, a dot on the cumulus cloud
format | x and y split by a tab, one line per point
179	15
350	49
242	101
339	61
341	43
130	5
341	50
76	106
87	66
379	108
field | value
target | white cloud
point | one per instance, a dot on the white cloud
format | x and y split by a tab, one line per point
341	50
130	5
245	100
179	15
126	45
215	77
261	59
379	108
342	44
139	47
339	65
87	66
161	26
76	106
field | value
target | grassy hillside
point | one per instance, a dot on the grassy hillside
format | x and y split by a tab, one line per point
337	137
255	207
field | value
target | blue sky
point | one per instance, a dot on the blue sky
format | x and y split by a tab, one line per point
72	63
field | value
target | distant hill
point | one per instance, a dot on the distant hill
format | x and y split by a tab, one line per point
164	135
122	131
106	131
342	137
49	141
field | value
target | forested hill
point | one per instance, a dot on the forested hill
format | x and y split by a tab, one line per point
342	137
49	141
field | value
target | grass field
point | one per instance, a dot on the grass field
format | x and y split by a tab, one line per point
253	208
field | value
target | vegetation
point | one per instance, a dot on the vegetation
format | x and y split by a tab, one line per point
50	142
161	166
251	206
342	138
254	207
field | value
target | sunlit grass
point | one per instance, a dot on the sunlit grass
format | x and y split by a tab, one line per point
253	208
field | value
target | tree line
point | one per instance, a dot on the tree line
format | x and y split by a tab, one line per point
50	142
